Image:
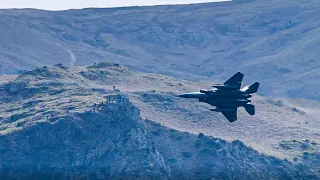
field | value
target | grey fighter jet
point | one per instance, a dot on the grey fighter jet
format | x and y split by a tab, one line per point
227	97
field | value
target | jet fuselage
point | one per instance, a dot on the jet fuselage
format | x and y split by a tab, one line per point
207	94
227	97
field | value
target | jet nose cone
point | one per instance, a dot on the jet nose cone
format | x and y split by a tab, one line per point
182	95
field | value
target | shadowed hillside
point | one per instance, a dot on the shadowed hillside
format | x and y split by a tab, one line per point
274	42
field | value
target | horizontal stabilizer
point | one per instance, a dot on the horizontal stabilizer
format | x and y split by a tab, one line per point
250	109
251	89
235	80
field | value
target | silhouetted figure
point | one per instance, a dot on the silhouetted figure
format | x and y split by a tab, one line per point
114	88
68	111
94	107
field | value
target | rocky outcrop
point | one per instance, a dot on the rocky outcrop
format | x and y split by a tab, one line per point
109	144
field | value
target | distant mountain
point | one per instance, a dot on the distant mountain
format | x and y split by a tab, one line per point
69	123
275	42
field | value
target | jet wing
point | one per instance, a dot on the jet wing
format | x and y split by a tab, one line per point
235	80
231	114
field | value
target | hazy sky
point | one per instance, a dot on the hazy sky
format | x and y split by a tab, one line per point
76	4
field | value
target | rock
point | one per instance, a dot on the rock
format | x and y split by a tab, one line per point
15	87
110	144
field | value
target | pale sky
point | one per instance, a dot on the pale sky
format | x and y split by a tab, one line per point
78	4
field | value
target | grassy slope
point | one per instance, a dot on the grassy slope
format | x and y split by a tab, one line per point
7	78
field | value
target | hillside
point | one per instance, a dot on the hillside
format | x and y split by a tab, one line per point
274	42
7	78
58	102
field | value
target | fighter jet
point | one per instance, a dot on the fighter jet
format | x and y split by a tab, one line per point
227	97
